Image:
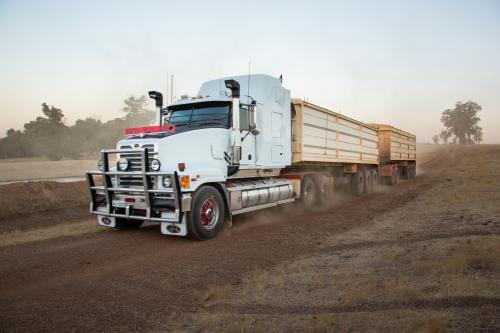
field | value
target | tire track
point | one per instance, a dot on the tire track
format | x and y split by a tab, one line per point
410	304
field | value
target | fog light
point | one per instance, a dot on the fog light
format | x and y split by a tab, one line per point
155	165
106	220
100	165
167	182
122	164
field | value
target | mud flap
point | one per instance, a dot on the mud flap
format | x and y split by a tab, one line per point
176	229
106	221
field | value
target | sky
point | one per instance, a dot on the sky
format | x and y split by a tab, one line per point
396	62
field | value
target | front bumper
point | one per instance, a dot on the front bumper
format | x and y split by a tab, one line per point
166	205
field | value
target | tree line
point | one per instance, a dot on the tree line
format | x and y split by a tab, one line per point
49	136
461	124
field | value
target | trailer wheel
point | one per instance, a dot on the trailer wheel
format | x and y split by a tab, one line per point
376	180
124	224
393	180
308	193
406	172
358	183
368	181
413	171
206	217
325	190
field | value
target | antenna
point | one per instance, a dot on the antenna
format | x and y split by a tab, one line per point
171	88
166	91
248	85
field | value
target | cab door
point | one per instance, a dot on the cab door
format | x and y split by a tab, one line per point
248	140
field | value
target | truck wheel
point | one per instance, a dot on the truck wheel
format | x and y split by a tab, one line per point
358	183
123	224
325	190
393	180
308	193
406	172
413	171
376	180
368	181
207	213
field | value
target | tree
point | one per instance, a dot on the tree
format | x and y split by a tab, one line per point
137	112
445	135
435	139
135	106
47	135
460	123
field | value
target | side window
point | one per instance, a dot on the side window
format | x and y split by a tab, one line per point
244	119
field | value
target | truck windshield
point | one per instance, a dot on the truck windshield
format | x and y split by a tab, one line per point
199	115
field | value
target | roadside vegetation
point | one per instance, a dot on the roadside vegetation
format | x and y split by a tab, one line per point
49	135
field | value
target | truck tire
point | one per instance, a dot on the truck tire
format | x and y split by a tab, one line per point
368	181
325	190
308	193
406	172
206	217
376	180
124	224
358	183
393	180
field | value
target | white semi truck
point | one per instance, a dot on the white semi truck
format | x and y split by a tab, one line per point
242	144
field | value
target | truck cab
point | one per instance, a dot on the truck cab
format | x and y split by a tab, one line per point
200	150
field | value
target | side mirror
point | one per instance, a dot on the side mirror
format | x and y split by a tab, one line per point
253	124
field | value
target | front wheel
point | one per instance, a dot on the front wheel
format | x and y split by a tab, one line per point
206	217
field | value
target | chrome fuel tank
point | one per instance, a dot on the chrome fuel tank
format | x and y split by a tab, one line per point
253	195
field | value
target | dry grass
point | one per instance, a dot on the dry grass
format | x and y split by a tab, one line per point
421	321
435	324
28	169
480	256
212	294
17	237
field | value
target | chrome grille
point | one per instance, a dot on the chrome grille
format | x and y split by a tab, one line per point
134	160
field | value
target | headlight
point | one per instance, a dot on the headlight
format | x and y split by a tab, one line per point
100	165
167	181
122	164
155	165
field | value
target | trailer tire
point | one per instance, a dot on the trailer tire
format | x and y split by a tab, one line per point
325	190
125	224
206	217
413	171
406	172
376	180
393	180
358	183
368	181
308	193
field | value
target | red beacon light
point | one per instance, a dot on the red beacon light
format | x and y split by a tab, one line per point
149	129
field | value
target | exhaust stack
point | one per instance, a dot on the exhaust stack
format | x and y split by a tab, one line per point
158	97
234	86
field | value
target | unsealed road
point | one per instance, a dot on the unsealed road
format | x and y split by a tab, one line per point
138	280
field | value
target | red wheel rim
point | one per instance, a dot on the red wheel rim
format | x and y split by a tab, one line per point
209	213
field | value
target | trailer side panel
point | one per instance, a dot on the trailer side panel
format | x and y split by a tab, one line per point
321	135
395	144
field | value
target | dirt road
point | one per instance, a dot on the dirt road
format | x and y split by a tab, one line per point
278	270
